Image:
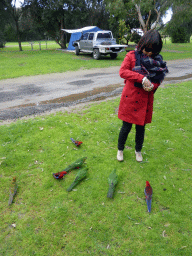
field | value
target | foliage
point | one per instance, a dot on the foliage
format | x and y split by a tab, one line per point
135	37
53	16
124	32
181	23
180	35
47	220
132	11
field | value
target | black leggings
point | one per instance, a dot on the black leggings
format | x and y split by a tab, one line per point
139	136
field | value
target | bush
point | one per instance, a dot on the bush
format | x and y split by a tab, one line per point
135	38
180	35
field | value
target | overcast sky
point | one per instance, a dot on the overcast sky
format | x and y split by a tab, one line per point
166	18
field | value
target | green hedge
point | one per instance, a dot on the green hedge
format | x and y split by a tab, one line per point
180	35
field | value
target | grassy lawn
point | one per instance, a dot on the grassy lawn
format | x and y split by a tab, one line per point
51	221
27	63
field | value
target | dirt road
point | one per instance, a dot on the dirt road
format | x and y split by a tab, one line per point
26	96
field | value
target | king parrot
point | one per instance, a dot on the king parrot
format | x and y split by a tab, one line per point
112	180
76	142
82	173
77	164
148	194
13	190
59	175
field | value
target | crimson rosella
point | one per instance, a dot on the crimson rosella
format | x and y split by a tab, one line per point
13	190
148	194
76	142
59	175
112	180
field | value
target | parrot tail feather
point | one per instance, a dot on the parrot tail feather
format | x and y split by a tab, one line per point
111	191
72	186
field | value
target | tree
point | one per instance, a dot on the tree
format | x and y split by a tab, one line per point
149	12
10	16
16	14
145	14
54	15
4	17
180	26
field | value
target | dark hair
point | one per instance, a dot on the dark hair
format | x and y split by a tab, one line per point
151	42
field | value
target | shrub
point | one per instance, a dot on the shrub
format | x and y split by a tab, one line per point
180	35
135	38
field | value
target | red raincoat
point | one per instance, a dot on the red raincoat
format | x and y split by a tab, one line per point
136	105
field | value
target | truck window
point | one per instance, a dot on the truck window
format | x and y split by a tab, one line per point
91	36
85	36
103	35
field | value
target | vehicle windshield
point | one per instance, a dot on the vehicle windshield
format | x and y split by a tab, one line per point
104	35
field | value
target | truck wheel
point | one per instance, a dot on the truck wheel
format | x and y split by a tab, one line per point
96	54
77	50
113	56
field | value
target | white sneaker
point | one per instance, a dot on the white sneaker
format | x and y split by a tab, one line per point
139	157
120	155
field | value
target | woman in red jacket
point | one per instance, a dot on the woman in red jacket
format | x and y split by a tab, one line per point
143	71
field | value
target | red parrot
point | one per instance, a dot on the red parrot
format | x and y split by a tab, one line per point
59	175
148	194
76	142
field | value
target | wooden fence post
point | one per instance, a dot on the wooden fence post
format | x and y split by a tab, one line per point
31	43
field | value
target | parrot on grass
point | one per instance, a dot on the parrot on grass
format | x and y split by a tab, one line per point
76	165
148	195
13	190
59	175
82	173
112	180
76	142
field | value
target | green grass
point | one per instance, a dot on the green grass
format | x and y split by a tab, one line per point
26	46
28	63
51	221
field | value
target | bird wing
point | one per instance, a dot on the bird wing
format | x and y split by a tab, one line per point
76	142
113	178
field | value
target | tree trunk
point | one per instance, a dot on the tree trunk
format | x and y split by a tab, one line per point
63	38
142	22
18	34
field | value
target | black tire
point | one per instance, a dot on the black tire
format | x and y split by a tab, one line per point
113	55
77	50
96	54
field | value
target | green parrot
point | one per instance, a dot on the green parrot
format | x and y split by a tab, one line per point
82	173
13	190
112	180
78	163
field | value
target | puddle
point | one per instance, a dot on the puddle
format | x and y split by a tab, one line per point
81	82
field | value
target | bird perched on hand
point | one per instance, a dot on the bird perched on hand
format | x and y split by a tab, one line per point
77	164
59	175
82	173
76	142
112	180
148	194
13	190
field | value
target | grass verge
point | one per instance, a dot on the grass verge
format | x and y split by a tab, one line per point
51	221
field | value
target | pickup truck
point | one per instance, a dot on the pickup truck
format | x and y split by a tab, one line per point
99	43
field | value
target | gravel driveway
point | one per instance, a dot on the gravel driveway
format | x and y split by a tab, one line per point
34	95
